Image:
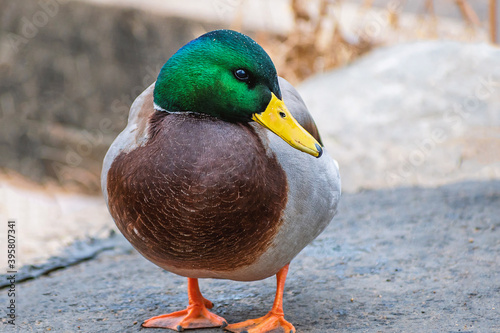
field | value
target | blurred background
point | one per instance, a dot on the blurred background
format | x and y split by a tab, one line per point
405	93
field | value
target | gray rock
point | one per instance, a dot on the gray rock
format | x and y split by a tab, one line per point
422	113
70	71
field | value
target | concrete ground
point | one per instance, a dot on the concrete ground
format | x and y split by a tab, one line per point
402	260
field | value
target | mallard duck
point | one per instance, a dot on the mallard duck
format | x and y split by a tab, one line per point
220	173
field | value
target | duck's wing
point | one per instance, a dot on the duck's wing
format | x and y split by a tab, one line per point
133	136
298	108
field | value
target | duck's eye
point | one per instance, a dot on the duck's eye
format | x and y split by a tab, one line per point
241	74
282	114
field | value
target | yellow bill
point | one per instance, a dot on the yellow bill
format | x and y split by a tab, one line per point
279	120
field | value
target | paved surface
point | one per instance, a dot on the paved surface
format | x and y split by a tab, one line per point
403	260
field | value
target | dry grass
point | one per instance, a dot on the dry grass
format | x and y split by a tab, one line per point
318	43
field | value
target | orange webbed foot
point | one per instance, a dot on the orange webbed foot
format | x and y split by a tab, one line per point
269	323
196	315
208	304
274	321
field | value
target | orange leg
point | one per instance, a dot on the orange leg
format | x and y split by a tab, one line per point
274	321
196	315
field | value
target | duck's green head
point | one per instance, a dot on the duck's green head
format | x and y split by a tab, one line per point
227	75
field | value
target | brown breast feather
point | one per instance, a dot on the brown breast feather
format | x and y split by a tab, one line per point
201	194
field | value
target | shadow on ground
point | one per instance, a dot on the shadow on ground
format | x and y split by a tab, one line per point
403	260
